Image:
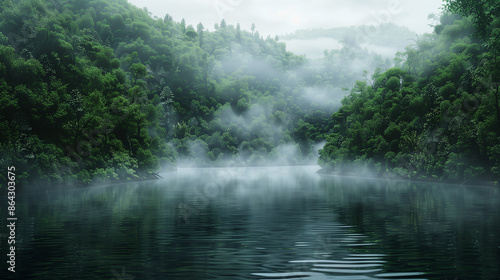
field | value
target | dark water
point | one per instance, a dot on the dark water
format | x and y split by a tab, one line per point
257	223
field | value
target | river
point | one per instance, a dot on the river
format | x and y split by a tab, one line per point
257	223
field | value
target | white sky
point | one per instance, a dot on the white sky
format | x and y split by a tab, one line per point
279	17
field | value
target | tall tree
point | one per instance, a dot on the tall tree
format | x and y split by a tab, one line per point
183	26
199	29
167	18
138	70
238	33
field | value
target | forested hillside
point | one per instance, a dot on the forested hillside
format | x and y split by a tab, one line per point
97	91
436	117
100	91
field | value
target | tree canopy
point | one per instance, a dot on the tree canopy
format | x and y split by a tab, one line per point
434	117
101	91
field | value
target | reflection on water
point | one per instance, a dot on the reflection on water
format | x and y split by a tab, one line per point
259	223
447	231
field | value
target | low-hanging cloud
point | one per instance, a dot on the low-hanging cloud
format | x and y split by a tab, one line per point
280	17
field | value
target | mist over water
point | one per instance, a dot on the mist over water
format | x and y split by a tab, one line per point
234	120
261	223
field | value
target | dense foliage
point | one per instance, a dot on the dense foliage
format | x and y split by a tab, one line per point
435	117
94	91
99	91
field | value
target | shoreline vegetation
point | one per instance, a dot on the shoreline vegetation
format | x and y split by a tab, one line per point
101	91
393	176
37	186
438	117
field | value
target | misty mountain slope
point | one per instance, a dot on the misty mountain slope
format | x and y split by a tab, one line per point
436	117
385	38
98	91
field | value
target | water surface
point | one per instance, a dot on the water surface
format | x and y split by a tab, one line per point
258	223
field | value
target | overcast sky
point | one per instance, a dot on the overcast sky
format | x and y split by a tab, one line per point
280	17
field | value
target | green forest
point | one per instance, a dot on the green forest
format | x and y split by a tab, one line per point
435	117
102	91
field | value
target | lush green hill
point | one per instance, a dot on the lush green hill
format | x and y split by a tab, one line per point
437	116
98	91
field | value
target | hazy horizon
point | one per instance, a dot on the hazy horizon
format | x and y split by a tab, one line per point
281	17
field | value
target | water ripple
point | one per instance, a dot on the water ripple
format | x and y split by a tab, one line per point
347	271
348	265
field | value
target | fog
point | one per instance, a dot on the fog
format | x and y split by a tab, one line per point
261	125
280	17
313	48
269	148
323	97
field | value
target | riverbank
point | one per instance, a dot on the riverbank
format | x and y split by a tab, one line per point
37	186
393	176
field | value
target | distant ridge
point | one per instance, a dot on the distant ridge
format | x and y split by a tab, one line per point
386	34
